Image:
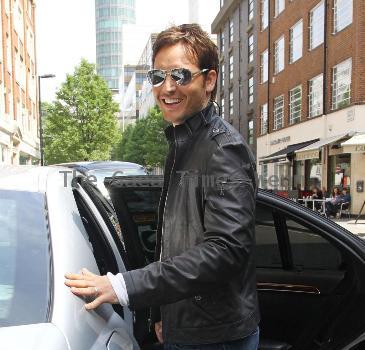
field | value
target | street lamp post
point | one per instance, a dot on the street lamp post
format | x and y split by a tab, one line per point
41	146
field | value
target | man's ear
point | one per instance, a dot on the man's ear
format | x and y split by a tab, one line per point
210	80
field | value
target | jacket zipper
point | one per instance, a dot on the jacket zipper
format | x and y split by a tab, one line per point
167	194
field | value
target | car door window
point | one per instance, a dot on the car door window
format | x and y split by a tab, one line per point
267	247
309	250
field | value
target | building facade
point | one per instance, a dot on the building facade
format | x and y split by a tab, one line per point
310	95
236	31
110	15
19	123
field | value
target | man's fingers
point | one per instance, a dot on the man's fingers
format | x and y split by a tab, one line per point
77	283
87	292
94	304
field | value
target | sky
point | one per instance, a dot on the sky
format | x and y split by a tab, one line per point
65	32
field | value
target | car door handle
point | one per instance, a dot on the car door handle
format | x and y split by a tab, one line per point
292	288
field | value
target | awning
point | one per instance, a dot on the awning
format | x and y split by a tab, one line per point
312	150
286	153
356	144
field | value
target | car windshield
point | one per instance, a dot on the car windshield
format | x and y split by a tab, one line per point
24	259
101	174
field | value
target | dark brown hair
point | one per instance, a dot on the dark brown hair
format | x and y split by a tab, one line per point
197	43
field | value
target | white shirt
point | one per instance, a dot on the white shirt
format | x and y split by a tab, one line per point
120	289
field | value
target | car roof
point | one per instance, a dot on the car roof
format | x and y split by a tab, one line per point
32	178
94	165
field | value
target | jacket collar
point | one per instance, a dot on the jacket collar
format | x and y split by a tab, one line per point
190	125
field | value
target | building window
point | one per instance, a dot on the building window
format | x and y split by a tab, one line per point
296	42
231	103
279	55
342	14
222	75
231	67
295	106
263	117
250	90
264	14
341	87
315	97
316	26
250	132
231	31
222	107
264	65
251	9
279	7
250	49
222	41
279	112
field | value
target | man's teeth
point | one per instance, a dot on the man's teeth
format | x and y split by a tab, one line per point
172	100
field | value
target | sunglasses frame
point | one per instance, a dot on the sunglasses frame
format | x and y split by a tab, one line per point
169	72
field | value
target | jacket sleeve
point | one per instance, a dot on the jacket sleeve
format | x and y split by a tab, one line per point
228	239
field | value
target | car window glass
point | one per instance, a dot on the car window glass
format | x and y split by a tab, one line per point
310	250
24	259
267	247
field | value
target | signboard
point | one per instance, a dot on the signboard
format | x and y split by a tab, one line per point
307	154
277	141
354	149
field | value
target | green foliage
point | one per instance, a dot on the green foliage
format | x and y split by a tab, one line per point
81	123
144	142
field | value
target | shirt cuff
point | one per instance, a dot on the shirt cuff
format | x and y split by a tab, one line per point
120	289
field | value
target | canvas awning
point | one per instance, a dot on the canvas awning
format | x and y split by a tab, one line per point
356	144
312	150
285	154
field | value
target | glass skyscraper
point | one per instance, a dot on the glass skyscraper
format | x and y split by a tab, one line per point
110	15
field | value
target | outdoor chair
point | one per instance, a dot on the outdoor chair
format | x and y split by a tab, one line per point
345	209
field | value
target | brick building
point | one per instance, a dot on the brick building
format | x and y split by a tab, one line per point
236	31
311	95
19	140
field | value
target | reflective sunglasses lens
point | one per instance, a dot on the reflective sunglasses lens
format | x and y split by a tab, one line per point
181	75
156	77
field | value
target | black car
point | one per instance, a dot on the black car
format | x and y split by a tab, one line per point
310	271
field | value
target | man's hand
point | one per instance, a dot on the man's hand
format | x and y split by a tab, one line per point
158	330
90	285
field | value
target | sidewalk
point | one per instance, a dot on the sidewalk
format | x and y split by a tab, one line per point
349	224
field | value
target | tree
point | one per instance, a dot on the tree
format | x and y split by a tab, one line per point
144	142
81	123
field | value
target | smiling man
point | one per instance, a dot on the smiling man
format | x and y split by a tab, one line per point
203	284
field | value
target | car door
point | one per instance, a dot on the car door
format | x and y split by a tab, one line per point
310	276
104	236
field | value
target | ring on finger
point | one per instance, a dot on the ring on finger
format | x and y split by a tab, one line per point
96	291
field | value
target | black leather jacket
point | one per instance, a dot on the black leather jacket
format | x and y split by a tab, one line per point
204	279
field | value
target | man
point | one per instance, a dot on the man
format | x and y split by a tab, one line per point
203	280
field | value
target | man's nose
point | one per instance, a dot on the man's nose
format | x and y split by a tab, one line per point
169	84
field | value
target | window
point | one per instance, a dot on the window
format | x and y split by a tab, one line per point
222	41
279	55
264	66
250	49
250	132
342	14
263	117
231	67
315	97
222	107
341	87
250	90
231	31
222	75
295	106
264	14
316	26
279	7
296	42
251	9
279	112
231	103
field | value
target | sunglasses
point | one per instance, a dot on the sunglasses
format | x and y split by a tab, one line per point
182	76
